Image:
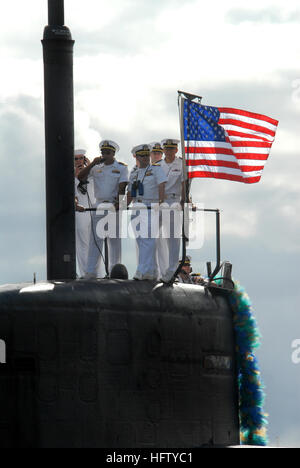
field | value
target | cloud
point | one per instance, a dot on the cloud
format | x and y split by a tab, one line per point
269	15
21	155
22	210
85	135
38	260
290	438
119	27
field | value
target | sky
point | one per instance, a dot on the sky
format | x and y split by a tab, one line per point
130	58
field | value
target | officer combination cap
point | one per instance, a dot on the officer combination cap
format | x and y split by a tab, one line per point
141	150
170	143
79	152
156	147
110	145
133	151
187	260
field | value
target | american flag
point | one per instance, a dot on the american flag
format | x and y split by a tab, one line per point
226	143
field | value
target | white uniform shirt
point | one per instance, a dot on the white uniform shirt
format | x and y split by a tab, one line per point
107	179
174	173
151	177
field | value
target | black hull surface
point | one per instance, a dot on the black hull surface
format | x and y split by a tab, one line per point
114	364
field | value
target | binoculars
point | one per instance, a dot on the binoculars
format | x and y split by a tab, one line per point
137	188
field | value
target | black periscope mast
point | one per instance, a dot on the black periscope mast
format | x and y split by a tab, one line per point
108	363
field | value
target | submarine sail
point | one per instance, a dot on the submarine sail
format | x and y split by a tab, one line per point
117	363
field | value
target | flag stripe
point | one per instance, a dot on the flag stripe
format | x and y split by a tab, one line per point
252	168
232	165
257	135
236	151
194	150
251	144
207	162
256	157
248	120
229	110
225	159
207	144
234	178
211	157
226	170
238	123
245	136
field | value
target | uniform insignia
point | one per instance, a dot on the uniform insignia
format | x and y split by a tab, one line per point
149	173
115	171
123	164
99	170
156	164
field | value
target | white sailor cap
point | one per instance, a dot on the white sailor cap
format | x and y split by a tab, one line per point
141	150
79	152
170	143
109	144
155	146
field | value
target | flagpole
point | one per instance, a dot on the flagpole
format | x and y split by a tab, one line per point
190	96
182	95
186	184
184	168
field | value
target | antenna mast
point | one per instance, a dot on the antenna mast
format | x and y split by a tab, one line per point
59	144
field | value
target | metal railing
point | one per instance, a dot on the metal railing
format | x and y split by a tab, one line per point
211	274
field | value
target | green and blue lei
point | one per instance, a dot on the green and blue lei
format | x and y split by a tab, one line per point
253	420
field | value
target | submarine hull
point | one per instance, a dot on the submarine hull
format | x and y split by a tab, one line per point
115	364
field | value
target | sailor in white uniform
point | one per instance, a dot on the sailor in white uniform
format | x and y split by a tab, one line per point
156	152
132	176
110	179
146	191
84	196
162	248
133	171
174	191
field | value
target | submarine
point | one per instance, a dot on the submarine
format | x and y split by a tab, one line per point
108	363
